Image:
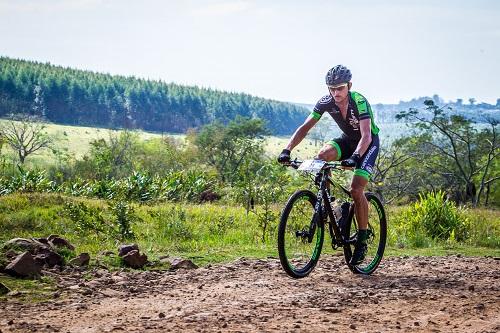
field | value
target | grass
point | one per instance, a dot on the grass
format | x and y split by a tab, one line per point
31	291
75	141
206	233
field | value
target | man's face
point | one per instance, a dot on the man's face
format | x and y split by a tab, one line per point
339	93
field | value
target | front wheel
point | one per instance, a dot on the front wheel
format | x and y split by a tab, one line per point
300	234
377	235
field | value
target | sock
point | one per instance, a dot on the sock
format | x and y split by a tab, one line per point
362	235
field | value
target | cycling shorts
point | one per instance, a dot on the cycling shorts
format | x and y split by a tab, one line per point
345	148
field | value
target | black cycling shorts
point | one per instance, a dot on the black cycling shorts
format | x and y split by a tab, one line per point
345	148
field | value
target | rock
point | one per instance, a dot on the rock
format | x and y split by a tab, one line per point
479	306
57	241
24	244
3	289
177	263
134	259
83	259
161	315
24	266
49	258
124	249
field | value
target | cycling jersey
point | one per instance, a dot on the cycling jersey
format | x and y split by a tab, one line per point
358	109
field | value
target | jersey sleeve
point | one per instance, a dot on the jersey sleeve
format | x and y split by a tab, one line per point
321	106
362	105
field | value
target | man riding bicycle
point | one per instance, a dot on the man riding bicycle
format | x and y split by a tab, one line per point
357	147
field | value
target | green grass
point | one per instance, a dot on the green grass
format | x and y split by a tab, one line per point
28	291
205	233
76	141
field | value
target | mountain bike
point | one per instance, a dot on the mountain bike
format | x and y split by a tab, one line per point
301	230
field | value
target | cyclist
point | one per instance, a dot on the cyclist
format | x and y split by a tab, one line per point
357	147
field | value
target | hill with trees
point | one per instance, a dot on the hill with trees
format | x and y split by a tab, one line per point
76	97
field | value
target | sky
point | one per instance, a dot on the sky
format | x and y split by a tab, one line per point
396	49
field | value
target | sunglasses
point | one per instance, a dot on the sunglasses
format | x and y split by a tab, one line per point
338	88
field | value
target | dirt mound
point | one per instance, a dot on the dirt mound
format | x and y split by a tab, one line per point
415	294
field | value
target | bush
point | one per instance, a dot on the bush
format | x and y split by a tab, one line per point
124	215
432	218
87	219
26	181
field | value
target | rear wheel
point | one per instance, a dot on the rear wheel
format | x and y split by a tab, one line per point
300	235
377	235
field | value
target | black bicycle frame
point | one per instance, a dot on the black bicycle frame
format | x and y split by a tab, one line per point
337	237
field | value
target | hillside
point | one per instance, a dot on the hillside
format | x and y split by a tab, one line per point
76	97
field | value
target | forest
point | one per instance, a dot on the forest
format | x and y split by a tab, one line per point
76	97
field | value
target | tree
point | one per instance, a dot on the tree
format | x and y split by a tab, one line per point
451	146
26	135
113	158
393	174
227	147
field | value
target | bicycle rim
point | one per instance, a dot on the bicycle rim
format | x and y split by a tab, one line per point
299	252
377	235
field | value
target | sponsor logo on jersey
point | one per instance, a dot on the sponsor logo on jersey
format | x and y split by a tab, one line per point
354	122
325	99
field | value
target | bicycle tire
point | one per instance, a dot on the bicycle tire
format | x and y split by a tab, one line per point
377	226
298	256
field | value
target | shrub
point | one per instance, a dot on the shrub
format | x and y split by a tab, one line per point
124	216
432	218
87	219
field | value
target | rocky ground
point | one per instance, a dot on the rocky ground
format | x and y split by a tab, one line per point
431	294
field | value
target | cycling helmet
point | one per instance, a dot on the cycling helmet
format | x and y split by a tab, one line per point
338	75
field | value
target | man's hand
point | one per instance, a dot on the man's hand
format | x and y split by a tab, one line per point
351	161
284	156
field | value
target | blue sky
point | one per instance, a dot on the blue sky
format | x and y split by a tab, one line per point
397	50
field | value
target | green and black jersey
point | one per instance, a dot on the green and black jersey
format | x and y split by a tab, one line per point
358	109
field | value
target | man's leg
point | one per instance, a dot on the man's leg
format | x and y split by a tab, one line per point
360	203
329	152
361	210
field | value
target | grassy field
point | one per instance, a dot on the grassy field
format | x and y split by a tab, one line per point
75	140
205	233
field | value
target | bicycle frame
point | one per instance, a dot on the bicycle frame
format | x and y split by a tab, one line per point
324	200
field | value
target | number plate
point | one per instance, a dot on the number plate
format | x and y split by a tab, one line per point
312	166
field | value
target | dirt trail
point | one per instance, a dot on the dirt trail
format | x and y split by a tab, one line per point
436	294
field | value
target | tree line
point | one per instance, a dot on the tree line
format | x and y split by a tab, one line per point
76	97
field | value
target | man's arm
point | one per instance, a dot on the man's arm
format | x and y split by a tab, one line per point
366	136
301	132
